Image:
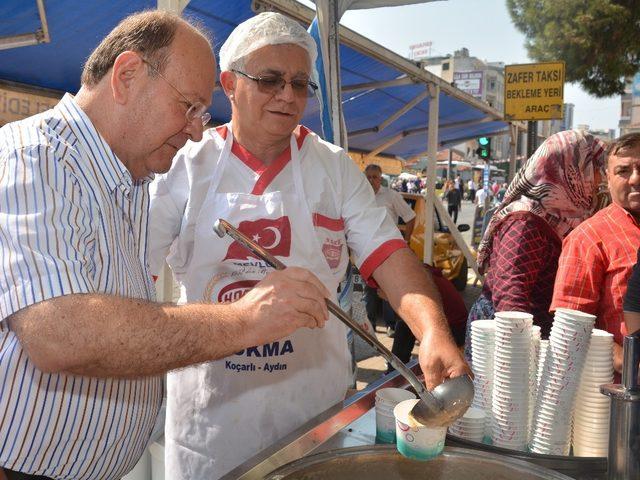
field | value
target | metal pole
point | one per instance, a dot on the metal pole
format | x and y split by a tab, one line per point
339	135
532	137
432	160
450	167
513	130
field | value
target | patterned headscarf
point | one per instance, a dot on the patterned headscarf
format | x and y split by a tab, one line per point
557	184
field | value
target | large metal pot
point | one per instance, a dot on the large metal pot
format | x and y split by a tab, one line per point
578	468
385	463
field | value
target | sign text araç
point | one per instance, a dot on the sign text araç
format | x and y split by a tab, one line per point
534	91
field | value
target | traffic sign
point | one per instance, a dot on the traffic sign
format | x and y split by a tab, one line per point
534	91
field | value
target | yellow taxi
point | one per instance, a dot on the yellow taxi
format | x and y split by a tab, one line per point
446	254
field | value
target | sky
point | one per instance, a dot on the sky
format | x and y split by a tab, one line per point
482	26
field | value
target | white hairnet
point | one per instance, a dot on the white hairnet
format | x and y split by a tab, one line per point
267	28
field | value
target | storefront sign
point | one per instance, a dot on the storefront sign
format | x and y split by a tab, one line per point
17	104
469	82
534	91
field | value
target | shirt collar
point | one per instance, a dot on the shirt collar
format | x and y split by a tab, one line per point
96	147
618	210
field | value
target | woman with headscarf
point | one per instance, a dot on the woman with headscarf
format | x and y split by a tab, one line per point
555	190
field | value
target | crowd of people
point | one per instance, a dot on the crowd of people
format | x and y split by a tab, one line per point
563	234
555	243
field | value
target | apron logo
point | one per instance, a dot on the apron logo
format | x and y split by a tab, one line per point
274	235
332	250
268	350
235	291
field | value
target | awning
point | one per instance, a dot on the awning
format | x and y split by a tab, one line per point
76	28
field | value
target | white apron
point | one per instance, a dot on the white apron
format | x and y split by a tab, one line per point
221	413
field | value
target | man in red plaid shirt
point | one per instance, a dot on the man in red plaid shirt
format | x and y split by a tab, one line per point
597	257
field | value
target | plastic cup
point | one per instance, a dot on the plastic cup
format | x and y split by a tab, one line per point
414	440
386	400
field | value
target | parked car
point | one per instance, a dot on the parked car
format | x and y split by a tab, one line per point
446	254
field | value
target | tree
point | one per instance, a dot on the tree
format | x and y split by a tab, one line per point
597	39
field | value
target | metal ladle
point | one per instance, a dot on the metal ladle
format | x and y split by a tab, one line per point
442	407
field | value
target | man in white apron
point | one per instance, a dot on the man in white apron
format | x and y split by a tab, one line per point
304	201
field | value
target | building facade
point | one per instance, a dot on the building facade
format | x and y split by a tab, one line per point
480	79
630	106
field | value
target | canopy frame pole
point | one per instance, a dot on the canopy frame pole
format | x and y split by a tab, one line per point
392	141
432	160
400	81
462	245
398	113
174	6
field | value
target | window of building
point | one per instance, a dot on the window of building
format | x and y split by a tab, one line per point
445	66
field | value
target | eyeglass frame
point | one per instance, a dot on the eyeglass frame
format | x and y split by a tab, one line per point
195	110
311	87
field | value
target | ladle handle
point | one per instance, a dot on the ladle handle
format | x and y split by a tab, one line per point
222	227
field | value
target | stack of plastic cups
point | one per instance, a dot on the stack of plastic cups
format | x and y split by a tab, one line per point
591	415
533	371
482	351
564	362
512	362
386	400
544	344
471	425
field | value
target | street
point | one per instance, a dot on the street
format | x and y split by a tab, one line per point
372	366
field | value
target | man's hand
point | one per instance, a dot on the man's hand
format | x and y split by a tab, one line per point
281	303
415	297
617	357
440	358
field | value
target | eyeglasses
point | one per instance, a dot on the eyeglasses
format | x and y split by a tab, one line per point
196	110
271	84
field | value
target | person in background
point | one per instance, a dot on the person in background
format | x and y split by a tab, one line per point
481	196
83	344
454	309
495	186
598	256
555	190
501	193
471	187
307	203
460	186
454	200
397	208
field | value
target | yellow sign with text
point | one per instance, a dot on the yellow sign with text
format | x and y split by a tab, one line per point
534	91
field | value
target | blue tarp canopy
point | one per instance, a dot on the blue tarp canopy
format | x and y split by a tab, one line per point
77	27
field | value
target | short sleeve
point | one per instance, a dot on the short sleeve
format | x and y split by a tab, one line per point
46	229
371	233
402	208
169	194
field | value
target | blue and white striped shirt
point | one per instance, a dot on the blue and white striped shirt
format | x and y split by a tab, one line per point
72	221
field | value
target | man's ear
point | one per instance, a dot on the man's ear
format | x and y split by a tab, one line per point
228	83
127	68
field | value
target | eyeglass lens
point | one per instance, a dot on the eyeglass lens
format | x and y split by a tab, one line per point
300	87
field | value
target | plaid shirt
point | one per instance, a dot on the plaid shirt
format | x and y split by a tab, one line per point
522	266
595	265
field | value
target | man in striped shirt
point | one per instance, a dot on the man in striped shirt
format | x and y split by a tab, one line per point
82	344
597	257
